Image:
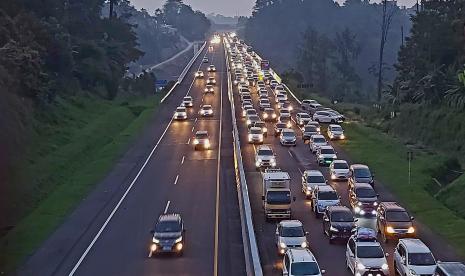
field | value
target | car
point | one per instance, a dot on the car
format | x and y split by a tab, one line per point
339	170
187	101
313	107
206	110
242	84
359	173
252	119
201	140
285	119
301	262
180	113
341	117
255	135
285	105
264	103
290	234
205	60
316	124
238	79
209	89
413	257
265	157
246	108
322	197
338	222
393	222
280	98
278	128
246	97
364	254
199	74
310	180
211	68
316	141
288	137
244	90
326	117
261	125
450	269
335	132
168	236
363	199
308	131
273	83
325	155
250	111
306	104
211	80
302	118
268	115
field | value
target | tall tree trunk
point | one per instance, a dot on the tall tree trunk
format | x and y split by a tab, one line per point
381	51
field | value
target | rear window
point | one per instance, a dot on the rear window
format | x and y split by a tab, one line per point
338	165
201	135
315	179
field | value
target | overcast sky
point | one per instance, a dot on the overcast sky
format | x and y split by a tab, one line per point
224	7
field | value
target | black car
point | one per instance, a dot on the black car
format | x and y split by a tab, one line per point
278	127
308	131
168	236
338	222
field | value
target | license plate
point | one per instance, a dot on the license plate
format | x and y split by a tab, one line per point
166	248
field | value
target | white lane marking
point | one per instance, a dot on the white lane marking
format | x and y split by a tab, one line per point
97	236
300	170
189	141
167	206
183	157
176	180
195	121
290	153
192	128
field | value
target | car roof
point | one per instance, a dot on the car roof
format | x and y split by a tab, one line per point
415	246
326	147
301	255
201	132
339	208
334	125
264	147
291	223
318	136
302	113
325	188
452	268
207	106
288	130
268	109
255	128
340	161
358	166
188	97
169	217
392	206
362	185
313	172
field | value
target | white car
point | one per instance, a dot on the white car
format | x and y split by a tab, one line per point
264	157
205	60
325	155
255	135
264	103
249	112
211	68
316	141
311	179
246	107
413	257
306	104
199	74
302	118
301	262
335	132
339	170
251	119
322	197
209	89
326	117
288	137
364	254
206	110
290	234
180	113
211	80
313	107
187	101
280	97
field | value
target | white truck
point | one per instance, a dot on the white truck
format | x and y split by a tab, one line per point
276	194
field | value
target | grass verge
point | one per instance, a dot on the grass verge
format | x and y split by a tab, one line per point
68	157
388	157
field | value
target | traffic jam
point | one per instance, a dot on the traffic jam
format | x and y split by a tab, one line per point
337	197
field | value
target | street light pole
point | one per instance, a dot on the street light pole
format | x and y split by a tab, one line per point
409	158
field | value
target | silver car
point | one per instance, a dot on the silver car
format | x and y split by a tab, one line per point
288	137
290	234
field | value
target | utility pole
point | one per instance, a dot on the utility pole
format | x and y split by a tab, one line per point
402	35
409	158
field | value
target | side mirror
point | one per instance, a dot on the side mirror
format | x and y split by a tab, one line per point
323	271
152	231
326	219
294	198
356	219
277	232
306	233
326	181
387	254
412	218
263	197
377	194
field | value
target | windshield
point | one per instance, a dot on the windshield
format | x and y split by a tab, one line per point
187	99
167	226
327	151
342	217
362	173
304	116
201	136
278	197
315	179
256	131
292	231
421	259
319	140
288	134
336	129
280	125
340	165
370	252
180	109
259	124
365	192
265	152
327	196
397	216
206	107
305	268
310	129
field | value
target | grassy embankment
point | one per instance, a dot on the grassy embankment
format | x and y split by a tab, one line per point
69	155
388	157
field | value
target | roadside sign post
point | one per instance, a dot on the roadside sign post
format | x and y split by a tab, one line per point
160	84
409	158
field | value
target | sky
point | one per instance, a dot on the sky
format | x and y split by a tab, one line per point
224	7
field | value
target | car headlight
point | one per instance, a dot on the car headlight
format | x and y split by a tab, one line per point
317	129
265	115
250	137
248	122
196	142
333	229
265	129
359	203
153	247
258	163
375	204
390	230
274	116
412	272
282	245
289	124
384	266
290	107
155	240
176	114
304	244
411	230
178	239
343	136
333	176
357	209
360	266
207	143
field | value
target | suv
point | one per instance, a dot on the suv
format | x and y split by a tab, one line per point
199	74
316	141
301	262
413	257
264	157
255	135
288	137
168	235
338	222
360	174
187	101
306	104
326	117
209	89
278	128
322	197
201	140
364	254
302	118
335	132
325	155
290	234
339	170
393	221
363	199
310	180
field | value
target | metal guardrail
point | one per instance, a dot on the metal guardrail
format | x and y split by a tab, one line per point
184	72
251	255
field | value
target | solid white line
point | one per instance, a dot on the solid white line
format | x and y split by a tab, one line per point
195	121
176	180
97	236
189	141
167	206
192	128
290	153
300	170
182	161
